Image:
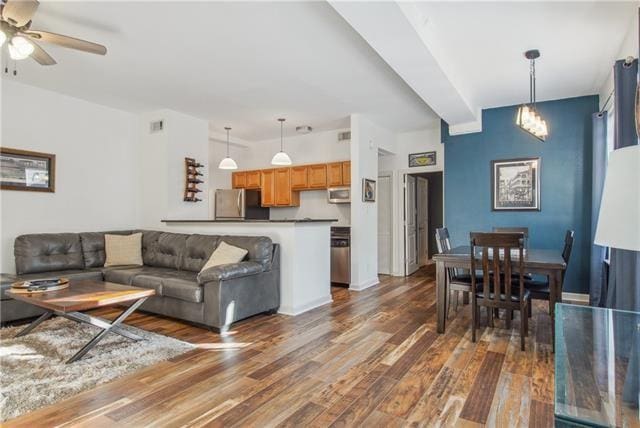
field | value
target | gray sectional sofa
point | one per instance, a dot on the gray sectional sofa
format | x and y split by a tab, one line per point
214	298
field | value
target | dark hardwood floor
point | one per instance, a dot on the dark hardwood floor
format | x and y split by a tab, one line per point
371	358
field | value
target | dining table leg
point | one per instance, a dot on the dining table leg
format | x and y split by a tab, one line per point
441	296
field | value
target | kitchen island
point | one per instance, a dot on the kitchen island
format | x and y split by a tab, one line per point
305	266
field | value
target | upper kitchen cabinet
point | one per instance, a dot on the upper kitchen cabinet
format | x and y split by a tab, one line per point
239	180
346	173
253	179
334	174
283	193
299	177
317	176
267	189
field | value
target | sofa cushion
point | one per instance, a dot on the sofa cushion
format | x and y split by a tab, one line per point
182	289
230	271
198	250
94	274
260	248
93	246
46	252
123	250
162	249
225	254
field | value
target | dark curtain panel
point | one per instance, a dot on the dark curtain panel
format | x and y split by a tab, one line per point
597	286
624	276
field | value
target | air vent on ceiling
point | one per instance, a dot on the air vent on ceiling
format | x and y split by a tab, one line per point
344	136
156	126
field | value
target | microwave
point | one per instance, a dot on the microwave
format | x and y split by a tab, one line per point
339	195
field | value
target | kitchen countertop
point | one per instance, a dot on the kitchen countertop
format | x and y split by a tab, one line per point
302	220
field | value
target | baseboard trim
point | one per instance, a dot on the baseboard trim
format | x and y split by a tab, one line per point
364	285
291	311
575	297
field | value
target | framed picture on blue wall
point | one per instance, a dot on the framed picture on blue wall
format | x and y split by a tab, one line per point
515	184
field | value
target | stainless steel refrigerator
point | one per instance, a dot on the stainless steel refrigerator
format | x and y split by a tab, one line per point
240	204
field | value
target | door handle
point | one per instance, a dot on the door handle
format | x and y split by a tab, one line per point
238	204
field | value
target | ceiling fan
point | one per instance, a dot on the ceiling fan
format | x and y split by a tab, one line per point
15	28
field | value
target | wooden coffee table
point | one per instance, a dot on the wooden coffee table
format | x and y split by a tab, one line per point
84	295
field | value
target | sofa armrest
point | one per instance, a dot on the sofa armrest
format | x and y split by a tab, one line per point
229	271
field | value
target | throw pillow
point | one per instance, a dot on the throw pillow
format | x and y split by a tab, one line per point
225	254
123	249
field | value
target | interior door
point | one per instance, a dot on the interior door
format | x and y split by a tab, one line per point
422	197
410	226
385	210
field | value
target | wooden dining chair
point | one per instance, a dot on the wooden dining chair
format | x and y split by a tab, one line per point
540	289
498	293
458	280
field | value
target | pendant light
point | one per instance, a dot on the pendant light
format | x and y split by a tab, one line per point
528	117
281	158
228	163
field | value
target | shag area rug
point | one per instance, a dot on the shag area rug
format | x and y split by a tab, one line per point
33	372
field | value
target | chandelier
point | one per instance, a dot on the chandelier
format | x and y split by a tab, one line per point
528	117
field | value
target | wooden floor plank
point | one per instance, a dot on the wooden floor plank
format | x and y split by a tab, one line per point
370	358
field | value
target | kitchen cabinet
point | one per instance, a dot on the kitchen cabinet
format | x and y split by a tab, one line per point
299	177
252	180
317	176
346	173
267	187
239	180
334	174
284	196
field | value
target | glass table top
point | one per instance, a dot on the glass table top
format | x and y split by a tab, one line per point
597	366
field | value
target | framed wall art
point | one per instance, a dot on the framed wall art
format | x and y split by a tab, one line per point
25	170
515	184
368	190
422	159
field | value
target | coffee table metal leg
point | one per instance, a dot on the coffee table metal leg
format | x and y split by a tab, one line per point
99	322
34	324
93	342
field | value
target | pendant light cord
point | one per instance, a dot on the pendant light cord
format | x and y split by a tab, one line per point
281	137
228	129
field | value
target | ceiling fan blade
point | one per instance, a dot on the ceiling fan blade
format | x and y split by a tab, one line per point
67	41
19	12
40	56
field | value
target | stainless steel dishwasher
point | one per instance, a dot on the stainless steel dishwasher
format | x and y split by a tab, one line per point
341	255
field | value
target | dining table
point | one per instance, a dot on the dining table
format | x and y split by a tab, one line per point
546	262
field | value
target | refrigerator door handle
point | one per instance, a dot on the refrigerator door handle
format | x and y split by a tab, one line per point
241	204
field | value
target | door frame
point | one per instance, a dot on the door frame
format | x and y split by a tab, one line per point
388	175
423	258
404	223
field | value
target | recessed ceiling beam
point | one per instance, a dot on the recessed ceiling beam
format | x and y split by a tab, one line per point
395	31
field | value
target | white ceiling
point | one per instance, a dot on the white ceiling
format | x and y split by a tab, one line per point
245	64
480	46
236	64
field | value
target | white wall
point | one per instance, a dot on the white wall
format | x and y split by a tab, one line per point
162	167
628	48
397	164
366	138
316	147
96	164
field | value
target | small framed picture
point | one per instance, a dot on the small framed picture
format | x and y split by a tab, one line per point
422	159
515	184
368	190
25	170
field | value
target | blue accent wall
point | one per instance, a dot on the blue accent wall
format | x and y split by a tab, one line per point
565	179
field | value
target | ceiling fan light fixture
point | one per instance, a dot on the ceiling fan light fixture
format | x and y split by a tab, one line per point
20	48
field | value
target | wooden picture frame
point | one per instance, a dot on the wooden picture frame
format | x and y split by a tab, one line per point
515	184
26	170
422	159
